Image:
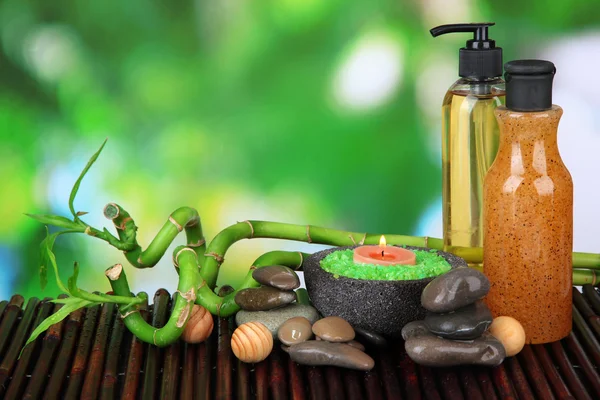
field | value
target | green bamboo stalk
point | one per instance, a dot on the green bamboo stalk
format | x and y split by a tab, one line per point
226	306
302	296
585	276
184	218
185	258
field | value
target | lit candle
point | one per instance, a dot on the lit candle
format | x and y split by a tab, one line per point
384	255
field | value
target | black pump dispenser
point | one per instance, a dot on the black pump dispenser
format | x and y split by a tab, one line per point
480	58
529	85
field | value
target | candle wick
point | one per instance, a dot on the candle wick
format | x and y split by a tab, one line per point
382	254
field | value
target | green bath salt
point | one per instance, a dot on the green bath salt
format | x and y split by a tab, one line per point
428	264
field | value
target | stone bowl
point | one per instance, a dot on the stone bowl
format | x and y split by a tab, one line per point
376	305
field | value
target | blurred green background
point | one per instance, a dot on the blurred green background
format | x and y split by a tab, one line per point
302	111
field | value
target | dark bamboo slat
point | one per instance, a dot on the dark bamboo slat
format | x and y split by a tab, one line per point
372	385
277	375
352	385
50	344
592	295
583	305
502	383
110	376
153	353
587	336
134	363
58	364
10	316
261	383
534	370
408	376
469	384
387	373
58	374
486	383
187	373
449	384
558	385
568	372
204	368
519	379
297	391
584	362
316	383
428	383
224	389
242	381
16	343
81	355
23	367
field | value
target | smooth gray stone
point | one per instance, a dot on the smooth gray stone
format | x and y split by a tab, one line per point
263	298
277	276
371	338
466	323
273	319
415	328
333	329
457	288
433	351
316	353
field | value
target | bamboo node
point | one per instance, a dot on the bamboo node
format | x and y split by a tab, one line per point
301	259
193	222
426	241
252	267
154	337
122	226
172	220
88	231
362	241
202	285
594	279
190	295
140	263
199	243
128	313
352	238
182	250
251	228
308	238
184	315
219	259
219	305
114	272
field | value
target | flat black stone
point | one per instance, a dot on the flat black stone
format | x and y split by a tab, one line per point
455	289
466	323
382	307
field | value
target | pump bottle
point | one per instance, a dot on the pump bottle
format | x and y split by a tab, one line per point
470	133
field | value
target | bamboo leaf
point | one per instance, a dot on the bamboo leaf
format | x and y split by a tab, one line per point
80	213
72	281
91	161
48	257
56	220
70	306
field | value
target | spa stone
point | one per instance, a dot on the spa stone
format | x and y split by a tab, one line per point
263	298
317	353
415	328
466	323
455	289
295	330
277	276
333	329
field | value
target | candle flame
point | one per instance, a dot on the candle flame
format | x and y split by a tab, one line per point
382	242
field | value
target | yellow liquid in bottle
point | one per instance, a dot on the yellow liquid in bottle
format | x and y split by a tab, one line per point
470	138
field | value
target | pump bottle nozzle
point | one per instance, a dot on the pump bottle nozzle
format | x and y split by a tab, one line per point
480	58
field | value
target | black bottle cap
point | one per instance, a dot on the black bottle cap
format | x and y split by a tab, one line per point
480	58
529	85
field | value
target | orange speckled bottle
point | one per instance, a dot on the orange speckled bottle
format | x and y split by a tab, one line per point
528	209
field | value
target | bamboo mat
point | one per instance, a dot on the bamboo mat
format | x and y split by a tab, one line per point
91	355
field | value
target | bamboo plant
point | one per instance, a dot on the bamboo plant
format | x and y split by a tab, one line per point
198	264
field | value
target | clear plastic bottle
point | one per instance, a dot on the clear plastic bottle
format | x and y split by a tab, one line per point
528	195
470	134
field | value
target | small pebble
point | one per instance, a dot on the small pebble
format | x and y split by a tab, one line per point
372	338
455	289
263	298
357	345
295	330
316	353
432	351
273	319
510	333
415	328
277	276
465	323
333	329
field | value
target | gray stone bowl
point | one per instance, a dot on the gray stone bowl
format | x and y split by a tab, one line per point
379	306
